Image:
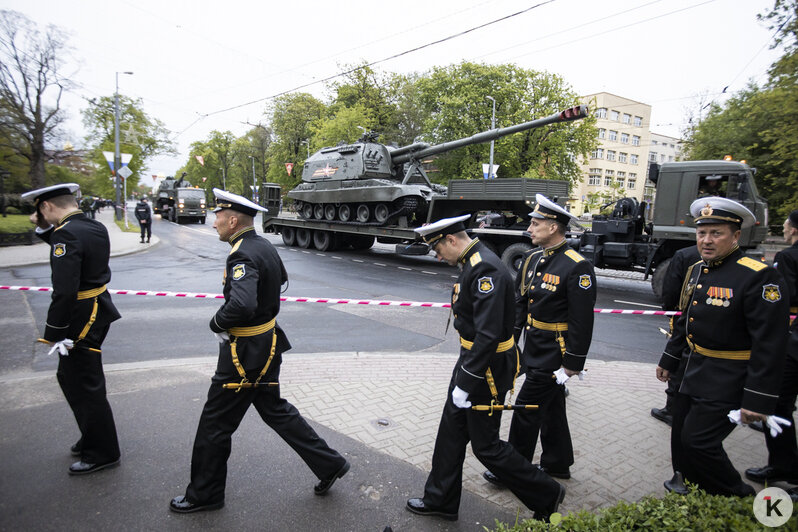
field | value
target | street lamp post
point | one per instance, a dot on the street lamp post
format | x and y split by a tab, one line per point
224	178
117	162
254	181
307	143
492	126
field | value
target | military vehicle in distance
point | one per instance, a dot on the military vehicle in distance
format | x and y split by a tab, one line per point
177	201
370	184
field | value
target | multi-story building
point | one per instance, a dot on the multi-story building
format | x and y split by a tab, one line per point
618	166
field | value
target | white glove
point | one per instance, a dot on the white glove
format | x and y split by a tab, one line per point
774	424
62	347
460	398
563	377
222	337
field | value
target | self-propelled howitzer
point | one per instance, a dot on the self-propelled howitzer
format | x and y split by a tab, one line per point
373	184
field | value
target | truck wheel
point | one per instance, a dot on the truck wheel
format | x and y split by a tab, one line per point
324	240
381	213
361	242
658	279
363	213
202	220
303	238
289	236
345	213
329	212
513	256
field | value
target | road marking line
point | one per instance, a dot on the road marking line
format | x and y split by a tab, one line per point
431	273
339	258
403	268
635	303
378	264
357	260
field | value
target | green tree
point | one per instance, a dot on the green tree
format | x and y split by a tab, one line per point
217	166
371	92
455	105
141	135
31	86
292	117
346	125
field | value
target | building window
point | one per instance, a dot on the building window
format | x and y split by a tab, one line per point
638	121
610	155
670	158
608	177
632	183
622	157
652	156
635	140
662	157
633	158
621	174
598	154
594	177
625	138
602	133
613	135
620	182
601	112
627	119
653	142
614	115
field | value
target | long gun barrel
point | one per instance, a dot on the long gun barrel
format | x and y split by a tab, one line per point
405	154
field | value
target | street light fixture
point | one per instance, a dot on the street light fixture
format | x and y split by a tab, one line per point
492	126
117	162
254	180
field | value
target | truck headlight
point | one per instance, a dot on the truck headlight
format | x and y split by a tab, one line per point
202	205
180	205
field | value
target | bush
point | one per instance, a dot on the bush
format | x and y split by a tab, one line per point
696	511
12	210
16	201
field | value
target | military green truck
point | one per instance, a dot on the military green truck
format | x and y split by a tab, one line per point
177	201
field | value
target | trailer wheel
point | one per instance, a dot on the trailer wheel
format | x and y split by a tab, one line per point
303	238
345	213
363	213
324	240
289	236
329	212
513	256
361	242
658	278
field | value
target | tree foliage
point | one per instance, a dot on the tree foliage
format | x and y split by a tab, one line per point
31	85
760	124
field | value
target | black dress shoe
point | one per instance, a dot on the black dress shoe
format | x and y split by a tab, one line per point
417	507
182	506
76	449
85	468
324	486
565	474
546	515
676	484
770	474
663	414
493	479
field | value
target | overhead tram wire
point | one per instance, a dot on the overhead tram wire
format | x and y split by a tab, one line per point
406	52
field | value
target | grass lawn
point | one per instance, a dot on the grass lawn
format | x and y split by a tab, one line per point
132	225
15	223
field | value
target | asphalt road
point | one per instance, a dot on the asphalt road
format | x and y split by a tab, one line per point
191	258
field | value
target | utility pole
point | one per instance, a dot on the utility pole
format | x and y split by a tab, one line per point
224	179
254	181
117	161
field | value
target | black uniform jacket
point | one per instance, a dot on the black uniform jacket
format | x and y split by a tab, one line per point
79	254
734	305
555	285
674	276
786	262
143	212
482	304
252	280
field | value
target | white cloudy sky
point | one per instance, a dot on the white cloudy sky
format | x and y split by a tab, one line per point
194	58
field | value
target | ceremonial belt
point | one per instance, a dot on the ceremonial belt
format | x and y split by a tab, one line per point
255	330
559	326
90	294
714	353
501	348
94	292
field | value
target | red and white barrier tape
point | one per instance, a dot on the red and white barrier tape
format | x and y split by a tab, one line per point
323	300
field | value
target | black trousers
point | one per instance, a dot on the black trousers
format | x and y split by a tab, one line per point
699	428
549	421
80	375
783	449
675	382
459	426
146	228
220	418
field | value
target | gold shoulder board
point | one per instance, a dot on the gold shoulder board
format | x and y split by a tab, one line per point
755	265
574	256
476	258
236	246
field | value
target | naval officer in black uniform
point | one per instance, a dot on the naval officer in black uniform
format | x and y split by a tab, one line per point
248	369
733	330
483	310
783	449
555	295
80	314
